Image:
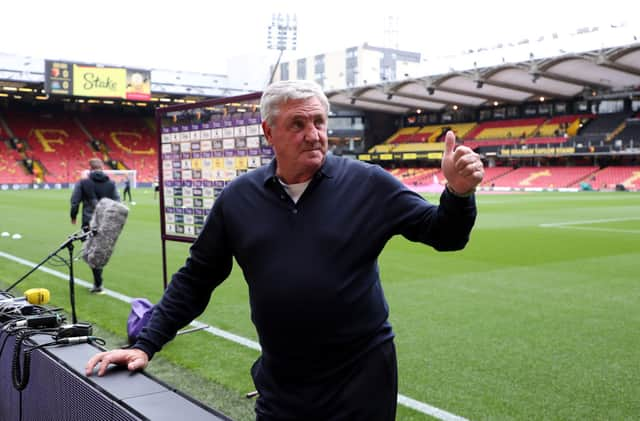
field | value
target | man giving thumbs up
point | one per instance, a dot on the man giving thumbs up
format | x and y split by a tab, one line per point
462	167
307	230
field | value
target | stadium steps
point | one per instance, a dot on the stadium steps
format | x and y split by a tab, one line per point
12	169
492	174
81	126
631	132
5	128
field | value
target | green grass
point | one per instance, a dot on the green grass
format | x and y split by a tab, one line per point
528	322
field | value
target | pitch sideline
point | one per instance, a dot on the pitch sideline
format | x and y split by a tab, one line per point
572	225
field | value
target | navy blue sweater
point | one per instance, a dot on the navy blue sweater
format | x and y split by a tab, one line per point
311	267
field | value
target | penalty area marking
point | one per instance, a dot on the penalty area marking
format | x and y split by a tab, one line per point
573	225
403	400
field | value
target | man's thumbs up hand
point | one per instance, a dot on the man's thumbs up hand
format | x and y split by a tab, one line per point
461	166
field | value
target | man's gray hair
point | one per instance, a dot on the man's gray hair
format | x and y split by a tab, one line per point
280	92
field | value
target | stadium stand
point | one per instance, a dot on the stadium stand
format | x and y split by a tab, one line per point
436	133
602	127
461	130
57	146
559	125
544	177
430	134
567	132
381	148
493	133
609	177
11	168
404	134
505	129
128	140
419	147
421	139
489	145
493	173
417	176
535	177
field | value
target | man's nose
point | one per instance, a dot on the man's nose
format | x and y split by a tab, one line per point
311	133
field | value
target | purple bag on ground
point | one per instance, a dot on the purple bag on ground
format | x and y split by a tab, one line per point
141	309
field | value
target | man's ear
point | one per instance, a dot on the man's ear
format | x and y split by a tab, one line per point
266	129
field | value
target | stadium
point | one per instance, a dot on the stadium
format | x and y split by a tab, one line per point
534	319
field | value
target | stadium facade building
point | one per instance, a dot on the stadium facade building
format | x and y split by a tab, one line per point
354	66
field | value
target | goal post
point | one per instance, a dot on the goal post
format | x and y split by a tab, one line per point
118	176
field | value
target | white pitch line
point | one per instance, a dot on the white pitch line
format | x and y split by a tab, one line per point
403	400
572	225
592	221
227	335
428	409
597	229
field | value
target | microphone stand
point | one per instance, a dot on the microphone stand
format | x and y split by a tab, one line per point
68	244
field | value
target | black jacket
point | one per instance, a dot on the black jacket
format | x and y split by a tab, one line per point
88	191
311	267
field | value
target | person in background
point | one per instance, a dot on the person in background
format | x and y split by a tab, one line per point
127	189
156	187
88	191
307	230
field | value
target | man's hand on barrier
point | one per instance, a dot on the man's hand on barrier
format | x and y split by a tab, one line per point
134	359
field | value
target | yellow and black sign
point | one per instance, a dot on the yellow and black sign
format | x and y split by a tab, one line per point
404	156
74	79
101	82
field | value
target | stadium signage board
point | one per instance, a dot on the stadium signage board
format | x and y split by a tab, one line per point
404	156
97	81
203	147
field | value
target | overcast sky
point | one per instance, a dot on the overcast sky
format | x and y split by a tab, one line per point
199	35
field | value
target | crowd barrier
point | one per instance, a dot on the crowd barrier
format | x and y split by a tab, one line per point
58	389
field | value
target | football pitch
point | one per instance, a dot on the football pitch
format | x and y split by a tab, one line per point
538	318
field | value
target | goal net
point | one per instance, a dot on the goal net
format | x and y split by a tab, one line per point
118	176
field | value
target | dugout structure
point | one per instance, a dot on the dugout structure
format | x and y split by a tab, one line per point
203	147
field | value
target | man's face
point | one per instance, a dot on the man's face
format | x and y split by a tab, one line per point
299	139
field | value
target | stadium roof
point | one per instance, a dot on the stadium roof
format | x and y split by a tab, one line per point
28	72
602	74
608	73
